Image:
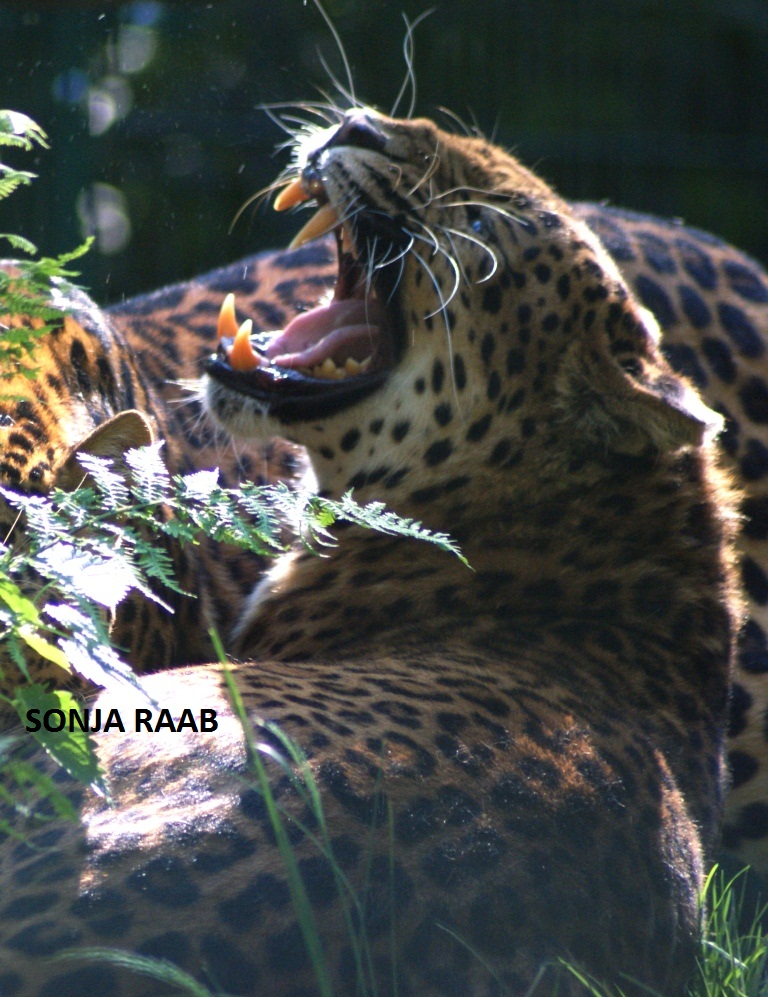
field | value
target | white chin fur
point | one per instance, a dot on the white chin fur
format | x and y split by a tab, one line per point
241	417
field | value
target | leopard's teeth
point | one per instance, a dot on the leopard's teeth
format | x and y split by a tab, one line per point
323	221
242	356
295	193
329	370
326	371
227	323
347	242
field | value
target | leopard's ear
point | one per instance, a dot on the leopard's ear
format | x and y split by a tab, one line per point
111	439
620	395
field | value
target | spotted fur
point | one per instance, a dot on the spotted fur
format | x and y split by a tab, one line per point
90	371
519	762
711	303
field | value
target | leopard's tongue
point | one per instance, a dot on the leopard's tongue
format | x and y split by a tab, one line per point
339	330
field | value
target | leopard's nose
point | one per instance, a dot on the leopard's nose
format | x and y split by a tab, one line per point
360	129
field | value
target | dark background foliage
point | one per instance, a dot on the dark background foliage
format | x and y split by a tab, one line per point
153	110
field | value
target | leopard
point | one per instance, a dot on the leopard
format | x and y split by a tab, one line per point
91	388
711	304
520	753
79	395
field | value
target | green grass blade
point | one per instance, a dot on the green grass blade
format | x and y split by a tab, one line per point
301	905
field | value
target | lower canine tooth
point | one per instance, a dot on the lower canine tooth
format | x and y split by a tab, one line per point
365	364
242	356
351	366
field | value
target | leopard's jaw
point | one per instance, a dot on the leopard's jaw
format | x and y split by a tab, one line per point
455	390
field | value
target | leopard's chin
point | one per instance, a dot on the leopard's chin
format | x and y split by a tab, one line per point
338	353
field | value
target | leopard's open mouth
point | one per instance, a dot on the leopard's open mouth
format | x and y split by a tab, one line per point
339	352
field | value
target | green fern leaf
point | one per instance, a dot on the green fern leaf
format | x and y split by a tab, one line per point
72	749
19	242
150	481
11	180
19	130
89	652
111	485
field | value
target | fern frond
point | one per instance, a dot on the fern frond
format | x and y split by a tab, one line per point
10	180
19	242
376	516
149	480
111	485
18	130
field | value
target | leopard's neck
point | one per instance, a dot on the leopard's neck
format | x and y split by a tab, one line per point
593	558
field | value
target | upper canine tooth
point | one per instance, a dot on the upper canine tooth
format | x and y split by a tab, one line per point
295	193
323	220
227	324
242	356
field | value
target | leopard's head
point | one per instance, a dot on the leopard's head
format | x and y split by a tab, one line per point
58	395
477	331
70	393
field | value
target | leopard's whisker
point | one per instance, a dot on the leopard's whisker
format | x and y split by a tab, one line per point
387	261
349	90
443	310
498	208
257	198
448	233
319	107
408	54
434	162
437	248
398	171
429	232
482	245
464	128
347	94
